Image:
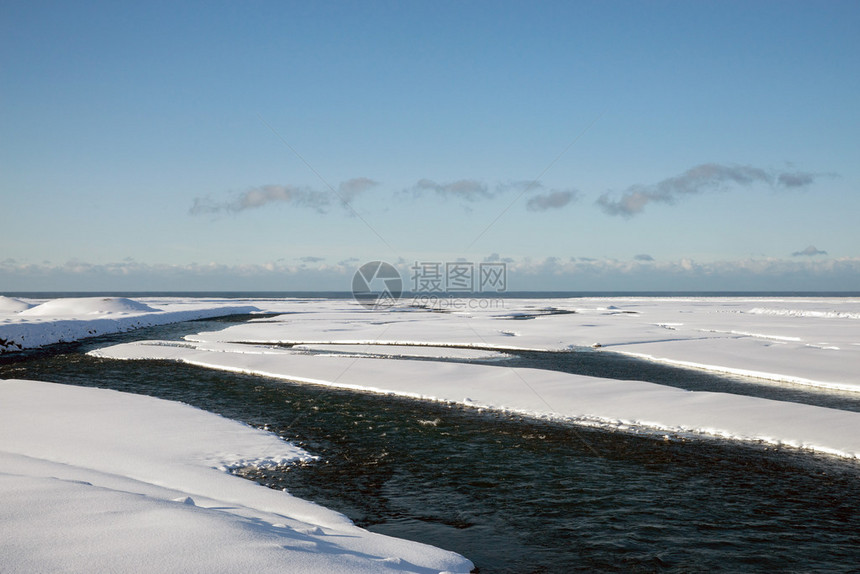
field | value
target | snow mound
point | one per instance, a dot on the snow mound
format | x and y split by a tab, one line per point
94	480
66	320
12	305
77	306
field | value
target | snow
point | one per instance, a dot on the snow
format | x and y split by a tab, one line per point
81	306
626	405
12	305
819	347
804	313
814	342
94	480
72	319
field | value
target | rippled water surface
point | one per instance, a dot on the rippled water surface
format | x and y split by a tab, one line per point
516	495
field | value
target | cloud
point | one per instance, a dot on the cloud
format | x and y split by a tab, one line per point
643	257
797	179
468	189
76	275
809	251
204	205
752	274
351	188
519	186
472	190
699	179
496	258
573	274
551	200
256	197
311	259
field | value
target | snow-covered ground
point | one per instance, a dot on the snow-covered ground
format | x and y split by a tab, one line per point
79	463
93	480
808	341
815	342
26	324
627	405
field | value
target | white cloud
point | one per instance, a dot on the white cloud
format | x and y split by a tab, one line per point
468	189
552	273
352	188
809	251
753	274
551	200
703	178
257	197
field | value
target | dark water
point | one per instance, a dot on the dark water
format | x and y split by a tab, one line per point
616	366
514	495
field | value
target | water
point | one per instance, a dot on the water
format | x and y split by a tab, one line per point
616	366
512	494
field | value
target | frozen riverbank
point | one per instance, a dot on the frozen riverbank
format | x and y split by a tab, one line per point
28	325
809	341
97	480
337	343
625	405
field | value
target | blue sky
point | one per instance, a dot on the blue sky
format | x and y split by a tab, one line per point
278	145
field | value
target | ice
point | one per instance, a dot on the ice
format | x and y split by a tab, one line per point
94	480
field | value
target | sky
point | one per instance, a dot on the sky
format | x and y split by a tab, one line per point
629	146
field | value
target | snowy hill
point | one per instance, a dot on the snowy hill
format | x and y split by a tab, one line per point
81	306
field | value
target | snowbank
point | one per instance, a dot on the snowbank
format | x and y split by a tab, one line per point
66	320
82	306
814	342
12	305
818	345
94	480
626	405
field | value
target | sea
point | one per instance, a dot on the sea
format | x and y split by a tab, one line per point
518	495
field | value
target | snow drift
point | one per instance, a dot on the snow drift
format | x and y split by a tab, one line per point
94	480
12	305
72	319
82	306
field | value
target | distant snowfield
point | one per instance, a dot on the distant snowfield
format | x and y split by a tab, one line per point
626	405
807	341
94	480
27	325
